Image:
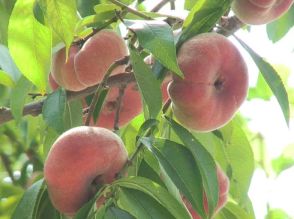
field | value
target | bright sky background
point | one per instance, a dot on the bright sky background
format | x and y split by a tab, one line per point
267	118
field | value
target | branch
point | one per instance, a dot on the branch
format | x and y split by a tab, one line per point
119	100
159	5
229	25
35	108
95	99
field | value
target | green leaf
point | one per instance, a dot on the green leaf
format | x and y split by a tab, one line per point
273	80
148	84
29	44
203	17
85	7
204	160
116	213
53	110
7	64
46	209
73	114
157	38
261	90
157	192
6	80
26	208
102	8
277	214
179	164
62	18
18	97
285	160
84	211
189	4
277	29
239	157
233	211
140	205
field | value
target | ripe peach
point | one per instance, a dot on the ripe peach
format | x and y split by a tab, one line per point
224	185
260	11
215	82
96	56
63	71
79	158
131	106
52	83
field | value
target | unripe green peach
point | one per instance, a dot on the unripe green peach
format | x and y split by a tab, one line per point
215	82
79	158
96	56
260	11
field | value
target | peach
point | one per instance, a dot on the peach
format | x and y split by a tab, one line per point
63	71
96	56
52	83
79	158
224	185
257	12
131	106
215	82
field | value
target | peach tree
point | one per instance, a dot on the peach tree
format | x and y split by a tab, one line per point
130	108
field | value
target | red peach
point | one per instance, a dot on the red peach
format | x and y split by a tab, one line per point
80	157
215	82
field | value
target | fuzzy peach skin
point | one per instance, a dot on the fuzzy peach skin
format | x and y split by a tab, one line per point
63	71
96	56
224	185
257	12
79	158
52	83
215	82
131	106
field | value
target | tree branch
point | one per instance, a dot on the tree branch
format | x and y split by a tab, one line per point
35	108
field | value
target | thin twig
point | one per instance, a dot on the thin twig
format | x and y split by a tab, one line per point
6	164
229	25
159	5
119	101
172	4
95	99
130	10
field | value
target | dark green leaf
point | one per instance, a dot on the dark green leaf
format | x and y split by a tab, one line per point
116	213
157	38
46	209
140	205
149	86
277	29
179	164
73	114
30	47
84	211
157	192
203	17
273	80
18	97
204	160
53	110
26	208
150	123
86	7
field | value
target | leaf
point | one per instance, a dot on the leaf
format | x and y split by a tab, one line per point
6	80
84	211
272	78
53	110
26	208
73	114
203	17
233	211
277	29
149	86
189	4
238	153
62	18
18	97
85	7
157	38
277	214
116	213
46	209
261	90
141	205
29	44
204	160
179	164
158	193
7	64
